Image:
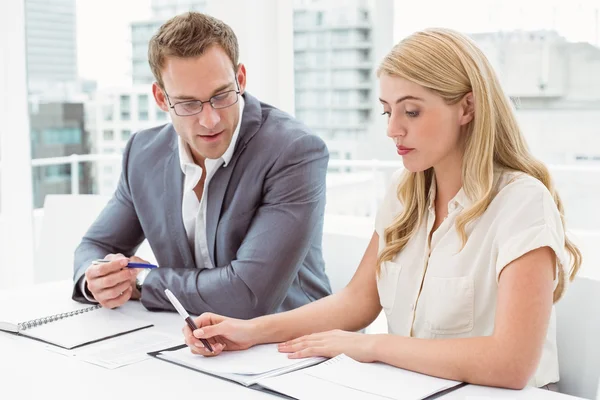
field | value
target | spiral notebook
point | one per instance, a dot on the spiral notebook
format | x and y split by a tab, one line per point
48	313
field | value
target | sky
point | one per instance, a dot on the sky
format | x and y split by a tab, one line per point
104	47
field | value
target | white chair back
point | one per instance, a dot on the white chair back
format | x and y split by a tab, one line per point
66	219
578	339
345	239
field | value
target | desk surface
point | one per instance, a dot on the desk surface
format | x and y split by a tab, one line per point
29	370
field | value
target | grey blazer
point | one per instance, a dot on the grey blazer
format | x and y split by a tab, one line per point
264	220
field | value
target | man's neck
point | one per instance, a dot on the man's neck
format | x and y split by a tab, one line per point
198	159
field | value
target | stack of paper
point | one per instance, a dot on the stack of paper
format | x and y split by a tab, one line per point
350	379
247	367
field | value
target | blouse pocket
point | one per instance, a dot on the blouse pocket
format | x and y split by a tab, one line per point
450	305
387	284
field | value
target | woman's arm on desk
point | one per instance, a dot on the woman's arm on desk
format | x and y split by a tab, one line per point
351	309
507	358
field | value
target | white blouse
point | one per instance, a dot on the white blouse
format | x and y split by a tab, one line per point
439	291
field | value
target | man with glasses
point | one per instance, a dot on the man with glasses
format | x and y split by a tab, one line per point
230	195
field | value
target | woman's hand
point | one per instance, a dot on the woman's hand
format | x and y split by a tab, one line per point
357	346
222	333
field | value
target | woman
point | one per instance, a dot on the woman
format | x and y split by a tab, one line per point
469	251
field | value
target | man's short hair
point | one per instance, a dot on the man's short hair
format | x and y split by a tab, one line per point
190	35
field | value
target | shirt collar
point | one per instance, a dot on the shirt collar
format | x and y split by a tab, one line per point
461	199
185	155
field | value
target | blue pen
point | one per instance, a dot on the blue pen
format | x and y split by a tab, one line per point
129	265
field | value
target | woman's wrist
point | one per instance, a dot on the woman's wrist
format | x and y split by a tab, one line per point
263	330
374	345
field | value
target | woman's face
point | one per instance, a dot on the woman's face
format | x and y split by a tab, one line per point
425	130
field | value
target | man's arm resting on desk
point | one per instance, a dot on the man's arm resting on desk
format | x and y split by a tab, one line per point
279	237
117	230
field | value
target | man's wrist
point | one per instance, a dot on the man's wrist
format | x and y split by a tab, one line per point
138	285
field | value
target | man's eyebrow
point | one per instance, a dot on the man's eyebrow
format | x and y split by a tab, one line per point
216	91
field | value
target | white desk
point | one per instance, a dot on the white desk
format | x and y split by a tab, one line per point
471	392
29	371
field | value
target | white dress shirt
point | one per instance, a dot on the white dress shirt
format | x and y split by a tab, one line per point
436	290
194	210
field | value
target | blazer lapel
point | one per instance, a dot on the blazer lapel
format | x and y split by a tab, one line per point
173	196
217	187
214	202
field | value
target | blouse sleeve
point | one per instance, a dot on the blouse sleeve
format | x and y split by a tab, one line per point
529	220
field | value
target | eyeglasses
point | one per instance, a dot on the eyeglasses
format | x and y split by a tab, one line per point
193	107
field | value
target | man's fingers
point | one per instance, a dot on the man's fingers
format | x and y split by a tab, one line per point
96	271
96	285
115	278
115	291
118	301
113	257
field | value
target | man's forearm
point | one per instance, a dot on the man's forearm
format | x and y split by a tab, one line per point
217	290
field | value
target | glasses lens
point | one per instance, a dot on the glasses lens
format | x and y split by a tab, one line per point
224	99
188	108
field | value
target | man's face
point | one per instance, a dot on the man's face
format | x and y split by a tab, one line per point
187	80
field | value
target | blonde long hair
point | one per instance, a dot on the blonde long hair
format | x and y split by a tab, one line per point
450	65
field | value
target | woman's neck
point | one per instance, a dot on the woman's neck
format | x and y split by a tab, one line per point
448	179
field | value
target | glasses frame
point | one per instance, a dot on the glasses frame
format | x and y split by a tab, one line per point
210	101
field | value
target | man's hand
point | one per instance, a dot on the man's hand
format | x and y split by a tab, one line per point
111	283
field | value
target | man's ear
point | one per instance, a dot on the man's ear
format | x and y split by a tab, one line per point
241	77
159	97
467	108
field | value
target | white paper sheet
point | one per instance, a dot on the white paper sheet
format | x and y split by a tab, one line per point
122	350
254	361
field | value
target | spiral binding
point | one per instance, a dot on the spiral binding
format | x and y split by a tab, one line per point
41	321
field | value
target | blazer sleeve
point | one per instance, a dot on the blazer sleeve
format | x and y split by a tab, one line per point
116	230
277	242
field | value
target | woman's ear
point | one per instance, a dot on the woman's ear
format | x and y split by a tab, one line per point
467	108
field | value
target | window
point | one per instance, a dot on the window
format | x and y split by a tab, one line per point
125	102
107	112
143	107
161	115
61	136
125	134
108	134
319	18
57	172
125	105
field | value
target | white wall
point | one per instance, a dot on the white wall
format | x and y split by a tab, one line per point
16	230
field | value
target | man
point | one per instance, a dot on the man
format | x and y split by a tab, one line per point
230	196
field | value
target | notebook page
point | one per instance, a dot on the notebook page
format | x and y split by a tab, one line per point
254	361
379	379
26	304
85	328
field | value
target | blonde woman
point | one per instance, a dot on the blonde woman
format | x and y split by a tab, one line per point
469	251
